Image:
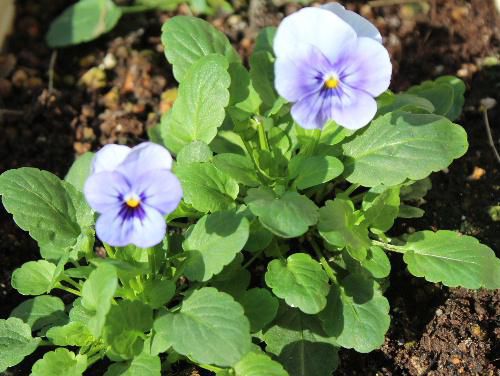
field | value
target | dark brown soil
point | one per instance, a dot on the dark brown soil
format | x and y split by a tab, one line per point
113	89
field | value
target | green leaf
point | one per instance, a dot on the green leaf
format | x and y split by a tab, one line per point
262	75
450	258
233	279
126	323
16	342
311	171
265	39
210	328
199	108
60	362
238	167
303	358
206	188
407	211
254	364
196	151
80	171
446	94
338	226
381	206
296	212
34	277
400	146
41	312
187	39
213	243
43	205
377	262
357	314
404	102
300	280
260	307
97	293
301	344
415	190
72	334
143	364
244	100
259	238
82	22
157	292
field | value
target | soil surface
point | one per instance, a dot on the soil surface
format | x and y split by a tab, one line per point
54	106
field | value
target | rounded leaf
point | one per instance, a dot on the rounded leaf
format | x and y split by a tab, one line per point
210	328
300	280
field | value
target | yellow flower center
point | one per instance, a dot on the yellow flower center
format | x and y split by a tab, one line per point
132	202
332	82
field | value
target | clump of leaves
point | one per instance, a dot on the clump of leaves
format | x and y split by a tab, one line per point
311	208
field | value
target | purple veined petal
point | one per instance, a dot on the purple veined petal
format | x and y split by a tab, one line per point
109	157
159	189
361	25
348	107
121	226
312	111
367	67
300	73
353	109
317	27
145	157
149	230
113	229
105	190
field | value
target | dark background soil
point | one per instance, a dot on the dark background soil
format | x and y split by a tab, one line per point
113	89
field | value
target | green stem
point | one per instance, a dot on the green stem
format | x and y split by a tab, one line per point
45	343
359	197
72	283
264	144
91	360
311	146
322	260
209	367
136	9
253	258
68	289
152	260
178	224
351	189
389	247
109	250
263	176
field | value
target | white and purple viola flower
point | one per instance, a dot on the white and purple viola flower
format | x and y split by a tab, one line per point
330	62
133	190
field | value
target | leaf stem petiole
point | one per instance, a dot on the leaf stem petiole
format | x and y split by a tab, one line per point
323	261
389	247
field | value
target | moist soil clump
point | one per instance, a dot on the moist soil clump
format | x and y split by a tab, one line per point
55	106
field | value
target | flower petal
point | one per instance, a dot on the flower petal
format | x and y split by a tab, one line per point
300	73
150	230
361	25
111	228
367	67
145	157
353	109
109	157
312	111
105	190
317	27
159	189
144	231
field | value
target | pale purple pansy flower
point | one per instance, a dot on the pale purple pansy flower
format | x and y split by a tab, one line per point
331	64
133	190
